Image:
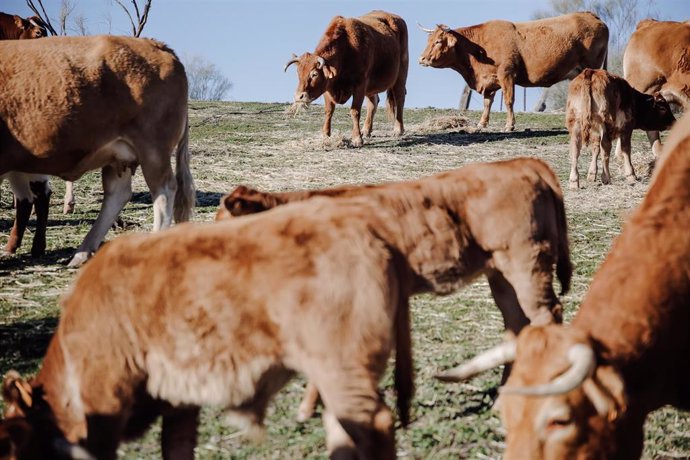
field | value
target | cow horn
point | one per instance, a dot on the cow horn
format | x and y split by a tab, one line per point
494	357
443	27
424	29
291	61
583	362
321	61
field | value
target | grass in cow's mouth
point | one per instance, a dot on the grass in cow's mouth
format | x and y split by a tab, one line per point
263	146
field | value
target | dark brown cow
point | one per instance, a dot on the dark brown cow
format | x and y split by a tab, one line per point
500	54
584	390
13	27
657	59
515	232
602	107
358	58
124	105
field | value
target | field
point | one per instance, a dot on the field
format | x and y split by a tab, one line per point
264	146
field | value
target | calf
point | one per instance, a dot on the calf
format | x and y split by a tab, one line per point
585	390
602	107
515	230
31	191
358	58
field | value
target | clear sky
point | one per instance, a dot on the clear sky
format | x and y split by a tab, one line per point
251	40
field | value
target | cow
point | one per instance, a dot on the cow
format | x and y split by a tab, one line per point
358	58
602	107
515	232
584	390
123	103
500	54
657	59
13	27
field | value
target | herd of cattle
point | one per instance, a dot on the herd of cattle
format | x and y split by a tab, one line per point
162	324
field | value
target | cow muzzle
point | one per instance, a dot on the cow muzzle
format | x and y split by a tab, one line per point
424	61
303	98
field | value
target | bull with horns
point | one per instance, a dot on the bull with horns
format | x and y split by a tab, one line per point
358	58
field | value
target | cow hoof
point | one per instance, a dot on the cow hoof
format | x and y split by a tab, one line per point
68	208
482	124
304	414
509	129
574	185
357	142
366	134
593	177
631	178
79	259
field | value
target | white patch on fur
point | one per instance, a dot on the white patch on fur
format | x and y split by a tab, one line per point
20	184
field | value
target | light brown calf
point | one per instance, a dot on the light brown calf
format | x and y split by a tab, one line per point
602	107
514	231
585	390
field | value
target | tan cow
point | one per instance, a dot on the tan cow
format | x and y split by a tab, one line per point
602	107
584	390
500	54
513	224
657	59
114	103
358	58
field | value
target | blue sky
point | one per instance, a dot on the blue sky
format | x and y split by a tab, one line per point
251	40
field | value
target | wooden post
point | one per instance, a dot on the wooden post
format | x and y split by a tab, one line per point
524	99
465	98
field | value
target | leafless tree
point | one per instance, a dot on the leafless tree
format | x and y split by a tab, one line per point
141	13
66	8
206	81
80	26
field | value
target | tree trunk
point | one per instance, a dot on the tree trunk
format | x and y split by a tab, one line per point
465	98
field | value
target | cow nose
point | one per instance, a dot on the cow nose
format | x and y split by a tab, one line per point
423	61
301	97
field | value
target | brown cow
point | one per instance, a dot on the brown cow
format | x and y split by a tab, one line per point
358	58
13	27
123	104
592	384
657	59
162	324
602	107
515	230
500	54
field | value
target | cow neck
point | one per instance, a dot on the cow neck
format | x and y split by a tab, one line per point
461	63
636	309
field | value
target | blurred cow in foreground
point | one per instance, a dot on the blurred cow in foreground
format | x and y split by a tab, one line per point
657	60
602	107
115	103
584	390
500	54
510	223
358	58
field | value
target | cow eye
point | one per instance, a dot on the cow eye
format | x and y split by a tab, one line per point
557	423
313	74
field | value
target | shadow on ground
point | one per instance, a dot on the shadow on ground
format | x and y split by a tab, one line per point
463	138
25	342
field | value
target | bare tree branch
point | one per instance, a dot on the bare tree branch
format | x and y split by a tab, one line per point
66	8
42	15
141	18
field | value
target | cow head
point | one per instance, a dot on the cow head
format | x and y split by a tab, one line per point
440	47
657	115
314	74
32	27
244	200
558	403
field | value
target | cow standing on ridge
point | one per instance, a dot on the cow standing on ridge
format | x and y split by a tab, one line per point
500	54
602	107
358	58
585	390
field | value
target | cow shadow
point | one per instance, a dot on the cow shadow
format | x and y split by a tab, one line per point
10	263
464	138
25	342
203	199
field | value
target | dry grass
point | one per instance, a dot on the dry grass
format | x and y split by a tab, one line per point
264	146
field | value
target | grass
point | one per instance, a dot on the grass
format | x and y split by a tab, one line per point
264	146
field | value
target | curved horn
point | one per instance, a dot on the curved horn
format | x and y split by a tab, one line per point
494	357
321	61
291	61
424	28
443	27
583	362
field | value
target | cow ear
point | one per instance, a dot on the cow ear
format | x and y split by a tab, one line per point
242	201
451	40
17	394
329	71
19	22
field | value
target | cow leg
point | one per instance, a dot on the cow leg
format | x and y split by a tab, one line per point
68	201
626	148
117	190
398	94
23	205
103	437
509	99
575	148
355	110
42	192
308	404
161	182
655	142
595	147
178	437
329	106
488	100
372	104
606	148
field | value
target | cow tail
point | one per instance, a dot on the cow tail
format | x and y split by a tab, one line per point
586	101
185	195
564	267
403	374
390	104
